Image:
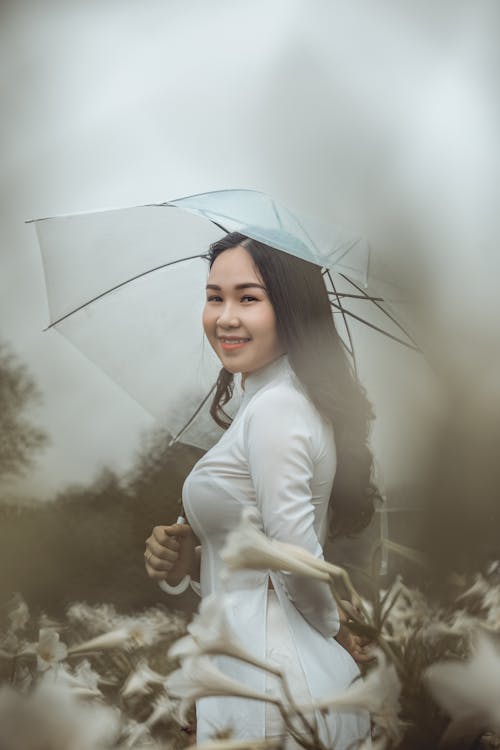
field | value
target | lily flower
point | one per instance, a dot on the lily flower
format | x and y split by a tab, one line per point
199	677
211	633
97	617
62	677
247	547
114	639
378	694
139	682
469	691
135	634
142	632
49	650
88	676
163	708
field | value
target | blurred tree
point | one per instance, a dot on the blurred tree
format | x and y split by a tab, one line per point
88	543
19	439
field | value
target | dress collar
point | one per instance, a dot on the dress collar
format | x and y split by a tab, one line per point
258	378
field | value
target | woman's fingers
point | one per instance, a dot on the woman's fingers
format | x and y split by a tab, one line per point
158	563
165	536
160	552
156	575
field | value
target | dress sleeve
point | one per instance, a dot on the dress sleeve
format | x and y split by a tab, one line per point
279	448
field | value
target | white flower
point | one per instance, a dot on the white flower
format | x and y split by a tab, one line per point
44	621
163	708
198	677
103	618
87	676
78	684
469	691
143	632
114	639
19	613
134	634
49	650
409	611
141	679
211	633
461	624
479	588
247	547
378	694
51	716
96	618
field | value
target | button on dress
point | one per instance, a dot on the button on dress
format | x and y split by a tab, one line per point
278	457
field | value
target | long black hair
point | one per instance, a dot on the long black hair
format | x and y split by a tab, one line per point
317	354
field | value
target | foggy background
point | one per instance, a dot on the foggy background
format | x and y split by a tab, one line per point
383	119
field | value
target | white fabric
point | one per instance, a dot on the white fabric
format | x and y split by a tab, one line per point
282	652
278	456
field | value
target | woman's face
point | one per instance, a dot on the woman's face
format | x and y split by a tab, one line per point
239	313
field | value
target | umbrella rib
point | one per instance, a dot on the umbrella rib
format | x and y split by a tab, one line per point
391	317
193	416
277	215
375	328
351	350
344	253
201	211
299	223
122	283
358	296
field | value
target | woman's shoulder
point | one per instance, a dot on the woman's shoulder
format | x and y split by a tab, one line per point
280	413
282	397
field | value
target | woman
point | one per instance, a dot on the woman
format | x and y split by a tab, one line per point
296	452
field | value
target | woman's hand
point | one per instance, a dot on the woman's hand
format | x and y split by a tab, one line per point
356	645
170	553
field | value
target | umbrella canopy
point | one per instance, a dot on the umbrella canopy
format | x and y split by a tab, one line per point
126	287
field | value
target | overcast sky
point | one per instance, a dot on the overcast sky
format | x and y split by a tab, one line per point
108	104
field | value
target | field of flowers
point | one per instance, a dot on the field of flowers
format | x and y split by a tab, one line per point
99	680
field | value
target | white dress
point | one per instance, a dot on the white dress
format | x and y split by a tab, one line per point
278	456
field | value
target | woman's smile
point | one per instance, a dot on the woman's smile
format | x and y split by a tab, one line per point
229	344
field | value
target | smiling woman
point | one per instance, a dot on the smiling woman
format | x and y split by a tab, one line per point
295	453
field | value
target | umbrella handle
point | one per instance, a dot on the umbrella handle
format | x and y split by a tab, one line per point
180	587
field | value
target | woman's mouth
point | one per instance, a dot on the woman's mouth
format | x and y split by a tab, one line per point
230	344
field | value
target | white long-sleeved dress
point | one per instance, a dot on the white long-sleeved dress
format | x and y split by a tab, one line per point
279	457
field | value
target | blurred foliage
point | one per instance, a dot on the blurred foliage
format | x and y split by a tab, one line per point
88	544
19	439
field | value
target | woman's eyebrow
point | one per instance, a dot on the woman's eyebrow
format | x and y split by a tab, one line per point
238	286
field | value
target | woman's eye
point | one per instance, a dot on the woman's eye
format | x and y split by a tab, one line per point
215	297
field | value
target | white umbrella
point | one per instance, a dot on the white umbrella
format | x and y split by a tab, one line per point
126	287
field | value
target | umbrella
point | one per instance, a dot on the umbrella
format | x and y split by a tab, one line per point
125	286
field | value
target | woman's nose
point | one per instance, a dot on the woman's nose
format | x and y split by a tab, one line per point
228	315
